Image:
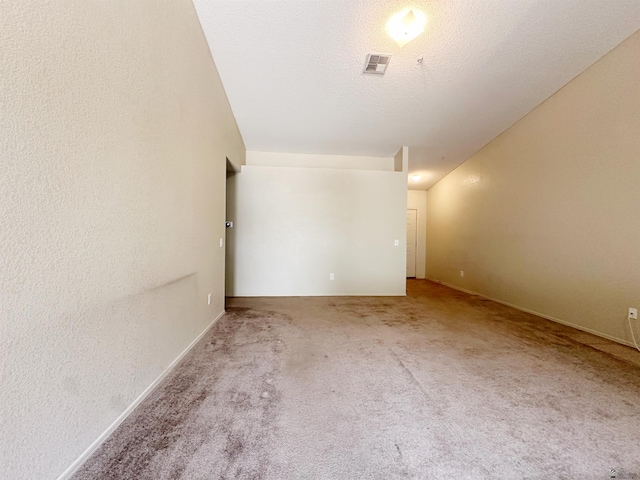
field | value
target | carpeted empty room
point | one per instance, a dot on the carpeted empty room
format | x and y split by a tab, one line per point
438	384
319	239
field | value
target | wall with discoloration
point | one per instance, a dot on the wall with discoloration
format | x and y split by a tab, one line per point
114	128
545	217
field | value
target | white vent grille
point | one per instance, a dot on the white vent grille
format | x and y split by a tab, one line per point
377	63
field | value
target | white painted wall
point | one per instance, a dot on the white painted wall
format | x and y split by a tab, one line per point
295	226
546	216
417	200
114	131
350	162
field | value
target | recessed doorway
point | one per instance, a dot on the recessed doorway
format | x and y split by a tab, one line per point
412	236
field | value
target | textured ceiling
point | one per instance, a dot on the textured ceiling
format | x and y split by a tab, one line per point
292	70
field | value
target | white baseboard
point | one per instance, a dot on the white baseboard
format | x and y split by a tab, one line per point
538	314
298	295
100	440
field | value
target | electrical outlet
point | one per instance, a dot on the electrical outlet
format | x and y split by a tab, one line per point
462	273
221	242
209	299
633	313
396	243
331	277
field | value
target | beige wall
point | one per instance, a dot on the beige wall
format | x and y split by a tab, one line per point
349	162
114	131
399	159
547	216
417	200
293	227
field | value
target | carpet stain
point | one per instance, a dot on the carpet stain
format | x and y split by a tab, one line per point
197	410
438	384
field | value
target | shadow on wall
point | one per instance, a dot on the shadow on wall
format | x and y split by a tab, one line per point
231	202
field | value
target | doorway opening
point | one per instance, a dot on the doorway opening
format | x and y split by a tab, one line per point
230	212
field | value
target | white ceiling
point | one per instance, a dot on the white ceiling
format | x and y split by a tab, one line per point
292	70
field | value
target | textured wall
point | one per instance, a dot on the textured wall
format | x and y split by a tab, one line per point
295	226
545	217
114	131
350	162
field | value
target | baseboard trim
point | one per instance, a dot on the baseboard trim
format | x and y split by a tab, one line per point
538	314
100	440
318	295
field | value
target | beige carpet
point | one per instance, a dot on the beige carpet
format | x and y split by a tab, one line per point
439	384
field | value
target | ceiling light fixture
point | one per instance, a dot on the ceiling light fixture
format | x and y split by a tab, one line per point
406	25
416	177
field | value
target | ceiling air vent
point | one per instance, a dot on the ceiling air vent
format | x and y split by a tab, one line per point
377	63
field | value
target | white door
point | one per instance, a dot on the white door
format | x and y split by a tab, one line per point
412	235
